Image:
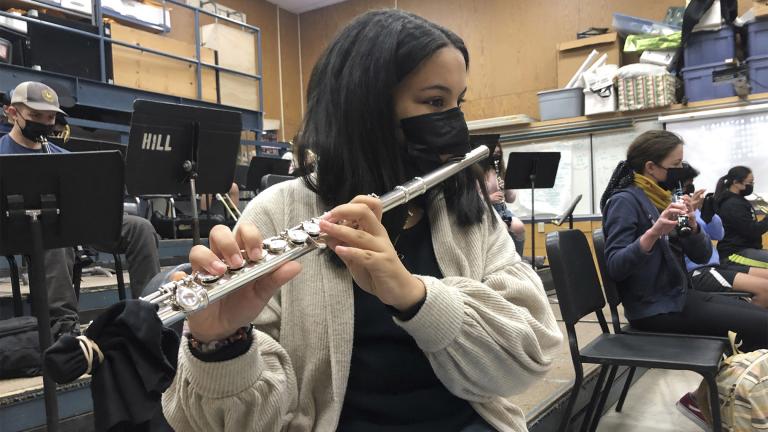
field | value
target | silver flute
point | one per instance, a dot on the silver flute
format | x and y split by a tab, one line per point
194	292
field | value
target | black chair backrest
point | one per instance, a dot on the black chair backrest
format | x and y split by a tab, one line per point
573	271
609	285
273	179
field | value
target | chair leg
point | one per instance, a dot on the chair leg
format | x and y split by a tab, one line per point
603	397
119	274
18	309
593	399
714	403
625	390
77	276
566	419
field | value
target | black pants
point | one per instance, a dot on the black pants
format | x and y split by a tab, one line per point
139	243
713	315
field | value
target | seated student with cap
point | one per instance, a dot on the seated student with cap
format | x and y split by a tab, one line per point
32	111
710	276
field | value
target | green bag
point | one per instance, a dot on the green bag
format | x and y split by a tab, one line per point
636	43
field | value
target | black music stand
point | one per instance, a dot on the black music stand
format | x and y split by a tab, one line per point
261	166
534	170
568	213
50	201
174	149
79	145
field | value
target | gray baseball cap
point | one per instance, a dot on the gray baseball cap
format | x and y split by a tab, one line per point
37	96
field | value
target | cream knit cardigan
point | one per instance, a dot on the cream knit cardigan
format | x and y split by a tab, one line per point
486	328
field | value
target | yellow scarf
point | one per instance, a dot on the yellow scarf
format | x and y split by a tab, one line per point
660	197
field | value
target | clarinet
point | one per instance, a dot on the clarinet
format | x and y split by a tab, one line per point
194	292
683	224
499	180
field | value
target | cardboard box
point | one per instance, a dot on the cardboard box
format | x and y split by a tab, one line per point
571	54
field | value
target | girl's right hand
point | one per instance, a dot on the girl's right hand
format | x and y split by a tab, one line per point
221	319
667	220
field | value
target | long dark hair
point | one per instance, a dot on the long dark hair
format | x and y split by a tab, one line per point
738	173
654	146
350	109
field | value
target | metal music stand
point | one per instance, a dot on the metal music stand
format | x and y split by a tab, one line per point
568	213
175	149
261	166
534	170
50	201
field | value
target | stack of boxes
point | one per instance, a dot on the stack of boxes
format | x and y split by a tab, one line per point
757	48
705	53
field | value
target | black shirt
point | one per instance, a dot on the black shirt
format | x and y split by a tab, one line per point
742	230
392	386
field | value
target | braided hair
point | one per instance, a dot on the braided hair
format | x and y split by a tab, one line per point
622	177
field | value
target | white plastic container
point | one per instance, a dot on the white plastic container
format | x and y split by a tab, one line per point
600	90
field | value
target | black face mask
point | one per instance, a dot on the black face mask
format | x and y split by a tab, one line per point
675	177
430	135
35	131
748	191
689	190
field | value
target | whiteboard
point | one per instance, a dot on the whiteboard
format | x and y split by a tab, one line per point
573	178
608	149
713	146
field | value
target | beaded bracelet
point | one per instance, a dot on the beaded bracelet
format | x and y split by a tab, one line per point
209	347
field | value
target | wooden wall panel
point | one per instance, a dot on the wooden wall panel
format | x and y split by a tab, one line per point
512	44
290	73
318	27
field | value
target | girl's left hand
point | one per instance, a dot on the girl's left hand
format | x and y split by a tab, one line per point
355	233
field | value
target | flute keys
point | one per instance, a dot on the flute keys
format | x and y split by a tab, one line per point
298	237
276	246
311	228
191	298
205	278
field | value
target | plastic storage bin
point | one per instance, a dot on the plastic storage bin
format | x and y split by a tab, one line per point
626	24
710	47
758	73
699	85
757	38
561	103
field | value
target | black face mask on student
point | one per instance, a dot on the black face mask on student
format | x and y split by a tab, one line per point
689	190
748	190
35	131
675	176
429	136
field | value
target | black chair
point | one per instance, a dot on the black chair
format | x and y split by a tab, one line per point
612	295
579	294
273	179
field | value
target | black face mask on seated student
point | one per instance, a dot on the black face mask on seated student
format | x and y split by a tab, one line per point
35	131
675	176
430	135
